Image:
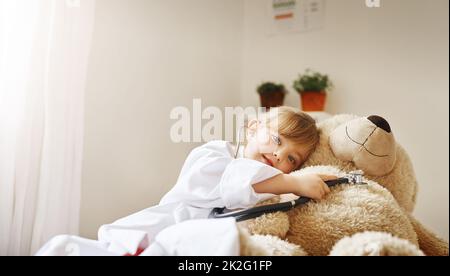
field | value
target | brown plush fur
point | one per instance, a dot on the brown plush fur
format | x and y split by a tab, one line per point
430	244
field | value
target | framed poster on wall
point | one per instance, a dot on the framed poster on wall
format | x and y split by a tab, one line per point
294	16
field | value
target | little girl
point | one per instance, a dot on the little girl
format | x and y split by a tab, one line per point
212	177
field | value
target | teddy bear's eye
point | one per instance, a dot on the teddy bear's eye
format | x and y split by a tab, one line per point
276	140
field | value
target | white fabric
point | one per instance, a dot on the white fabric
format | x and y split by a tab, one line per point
218	237
44	48
190	238
210	178
65	245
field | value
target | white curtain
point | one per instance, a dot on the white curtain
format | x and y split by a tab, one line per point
44	49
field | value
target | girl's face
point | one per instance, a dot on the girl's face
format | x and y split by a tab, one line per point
267	146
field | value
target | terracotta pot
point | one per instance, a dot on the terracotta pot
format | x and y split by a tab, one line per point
313	101
274	99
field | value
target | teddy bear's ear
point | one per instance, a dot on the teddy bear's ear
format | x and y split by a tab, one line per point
367	142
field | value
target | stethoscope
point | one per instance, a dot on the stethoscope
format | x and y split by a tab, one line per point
355	177
238	145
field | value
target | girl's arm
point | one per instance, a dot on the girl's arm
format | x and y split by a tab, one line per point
310	185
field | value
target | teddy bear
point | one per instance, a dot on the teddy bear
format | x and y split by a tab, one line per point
371	218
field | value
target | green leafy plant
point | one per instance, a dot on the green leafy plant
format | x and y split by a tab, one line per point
270	88
312	81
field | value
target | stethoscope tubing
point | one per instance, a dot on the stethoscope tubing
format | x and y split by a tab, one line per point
242	215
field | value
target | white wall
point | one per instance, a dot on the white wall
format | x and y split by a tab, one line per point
149	56
391	61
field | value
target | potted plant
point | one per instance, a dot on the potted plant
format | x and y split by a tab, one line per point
312	87
271	94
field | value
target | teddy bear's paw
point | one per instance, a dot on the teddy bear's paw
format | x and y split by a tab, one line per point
374	244
259	245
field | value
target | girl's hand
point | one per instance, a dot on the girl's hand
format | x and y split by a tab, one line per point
312	185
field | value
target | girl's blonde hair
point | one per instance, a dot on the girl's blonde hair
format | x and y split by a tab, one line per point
295	125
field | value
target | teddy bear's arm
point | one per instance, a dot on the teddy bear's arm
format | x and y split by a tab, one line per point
429	243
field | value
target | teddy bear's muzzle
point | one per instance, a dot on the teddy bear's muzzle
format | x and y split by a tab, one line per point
367	142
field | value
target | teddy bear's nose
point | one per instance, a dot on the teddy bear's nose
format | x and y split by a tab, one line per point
380	122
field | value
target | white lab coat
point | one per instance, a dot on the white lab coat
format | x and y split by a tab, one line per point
211	177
